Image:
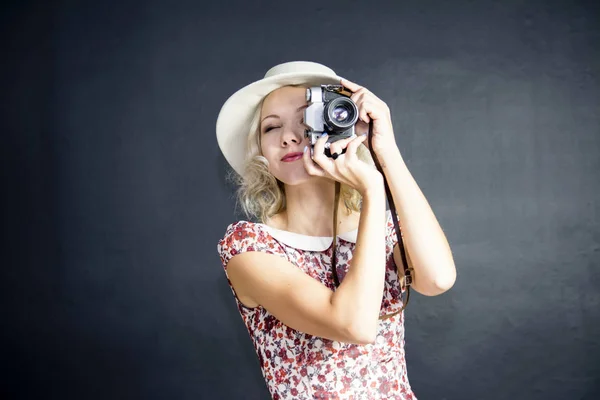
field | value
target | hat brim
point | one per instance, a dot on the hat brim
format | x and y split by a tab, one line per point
235	117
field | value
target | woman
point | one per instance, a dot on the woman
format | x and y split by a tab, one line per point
315	339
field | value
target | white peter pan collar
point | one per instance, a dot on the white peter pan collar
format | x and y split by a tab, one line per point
310	243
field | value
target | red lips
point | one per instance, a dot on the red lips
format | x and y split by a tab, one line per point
292	156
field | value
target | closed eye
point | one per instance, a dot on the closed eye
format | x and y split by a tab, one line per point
270	128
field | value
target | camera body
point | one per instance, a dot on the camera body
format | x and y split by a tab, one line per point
330	110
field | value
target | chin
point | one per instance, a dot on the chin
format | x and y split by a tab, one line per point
294	178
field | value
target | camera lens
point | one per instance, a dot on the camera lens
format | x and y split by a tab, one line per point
341	113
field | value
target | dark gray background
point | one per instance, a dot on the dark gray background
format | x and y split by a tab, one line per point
114	195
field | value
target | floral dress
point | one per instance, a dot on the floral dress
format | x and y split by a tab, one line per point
297	365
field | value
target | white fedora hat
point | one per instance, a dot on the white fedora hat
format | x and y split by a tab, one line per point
235	117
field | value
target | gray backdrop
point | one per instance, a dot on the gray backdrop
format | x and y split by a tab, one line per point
114	195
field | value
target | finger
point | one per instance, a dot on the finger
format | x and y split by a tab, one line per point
359	94
309	165
363	113
353	145
369	110
339	145
319	154
359	99
369	106
378	110
350	85
364	94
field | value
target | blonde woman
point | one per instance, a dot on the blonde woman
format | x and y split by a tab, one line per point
322	301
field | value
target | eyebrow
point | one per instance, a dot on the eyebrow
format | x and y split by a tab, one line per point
302	107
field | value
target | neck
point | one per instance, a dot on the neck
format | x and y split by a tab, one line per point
309	208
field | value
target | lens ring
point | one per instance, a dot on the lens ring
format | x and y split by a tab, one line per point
341	113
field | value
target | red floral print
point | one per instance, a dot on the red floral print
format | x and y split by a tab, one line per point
297	365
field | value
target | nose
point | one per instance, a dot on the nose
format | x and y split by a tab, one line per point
290	136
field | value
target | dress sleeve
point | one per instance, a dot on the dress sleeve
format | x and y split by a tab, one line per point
246	236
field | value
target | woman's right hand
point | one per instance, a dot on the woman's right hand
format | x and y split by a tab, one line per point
347	168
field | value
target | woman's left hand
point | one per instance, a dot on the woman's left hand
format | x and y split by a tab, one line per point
370	107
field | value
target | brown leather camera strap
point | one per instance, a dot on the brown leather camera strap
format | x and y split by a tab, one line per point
334	245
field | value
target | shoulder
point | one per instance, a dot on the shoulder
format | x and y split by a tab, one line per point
242	231
241	228
243	236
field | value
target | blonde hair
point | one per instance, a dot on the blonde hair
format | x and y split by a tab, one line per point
261	195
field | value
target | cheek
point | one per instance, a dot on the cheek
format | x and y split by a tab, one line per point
267	145
262	145
267	152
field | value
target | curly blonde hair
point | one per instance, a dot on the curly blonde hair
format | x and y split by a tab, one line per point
261	195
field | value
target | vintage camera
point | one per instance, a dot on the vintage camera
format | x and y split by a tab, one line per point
330	110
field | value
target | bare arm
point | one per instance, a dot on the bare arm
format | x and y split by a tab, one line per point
430	253
358	298
301	302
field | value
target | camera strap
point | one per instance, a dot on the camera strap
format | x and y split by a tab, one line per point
407	277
